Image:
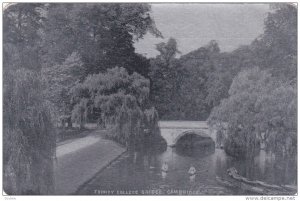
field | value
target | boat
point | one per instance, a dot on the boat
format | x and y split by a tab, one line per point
234	180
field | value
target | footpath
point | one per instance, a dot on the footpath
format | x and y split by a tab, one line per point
78	160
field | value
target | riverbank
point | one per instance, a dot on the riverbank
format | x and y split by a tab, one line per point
80	159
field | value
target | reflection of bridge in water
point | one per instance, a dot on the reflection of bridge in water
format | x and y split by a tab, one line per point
172	131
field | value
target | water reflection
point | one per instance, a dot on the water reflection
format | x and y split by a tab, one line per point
264	167
195	146
143	171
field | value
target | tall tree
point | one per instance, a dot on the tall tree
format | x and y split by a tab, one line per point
21	36
261	101
29	138
103	34
122	100
59	80
166	75
276	49
258	109
199	65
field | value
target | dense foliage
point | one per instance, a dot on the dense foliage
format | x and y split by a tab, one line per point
248	94
77	63
166	76
102	34
47	50
59	80
119	102
28	135
86	39
187	88
261	107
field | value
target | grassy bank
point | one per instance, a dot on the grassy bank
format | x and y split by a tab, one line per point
80	159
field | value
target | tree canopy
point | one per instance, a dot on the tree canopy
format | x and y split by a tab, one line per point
79	61
49	52
102	34
119	101
261	103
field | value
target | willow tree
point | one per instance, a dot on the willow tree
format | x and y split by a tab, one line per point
259	109
90	38
261	104
28	138
122	100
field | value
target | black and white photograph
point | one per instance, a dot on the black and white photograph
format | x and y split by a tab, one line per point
149	99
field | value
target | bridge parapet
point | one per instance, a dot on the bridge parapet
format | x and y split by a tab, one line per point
171	131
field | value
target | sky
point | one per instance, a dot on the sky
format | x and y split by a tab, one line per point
194	25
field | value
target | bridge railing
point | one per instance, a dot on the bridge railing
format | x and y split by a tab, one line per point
183	124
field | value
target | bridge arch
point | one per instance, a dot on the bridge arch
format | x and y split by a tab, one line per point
172	131
189	132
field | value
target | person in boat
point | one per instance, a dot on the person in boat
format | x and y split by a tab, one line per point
164	170
192	173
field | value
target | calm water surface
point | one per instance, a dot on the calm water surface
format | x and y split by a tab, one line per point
140	173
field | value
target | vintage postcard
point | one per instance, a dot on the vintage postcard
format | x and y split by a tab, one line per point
150	99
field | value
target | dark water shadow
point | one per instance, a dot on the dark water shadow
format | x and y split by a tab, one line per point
193	145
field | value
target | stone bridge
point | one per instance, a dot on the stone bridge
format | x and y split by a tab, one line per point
172	131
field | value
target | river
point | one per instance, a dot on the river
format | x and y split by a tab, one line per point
140	173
